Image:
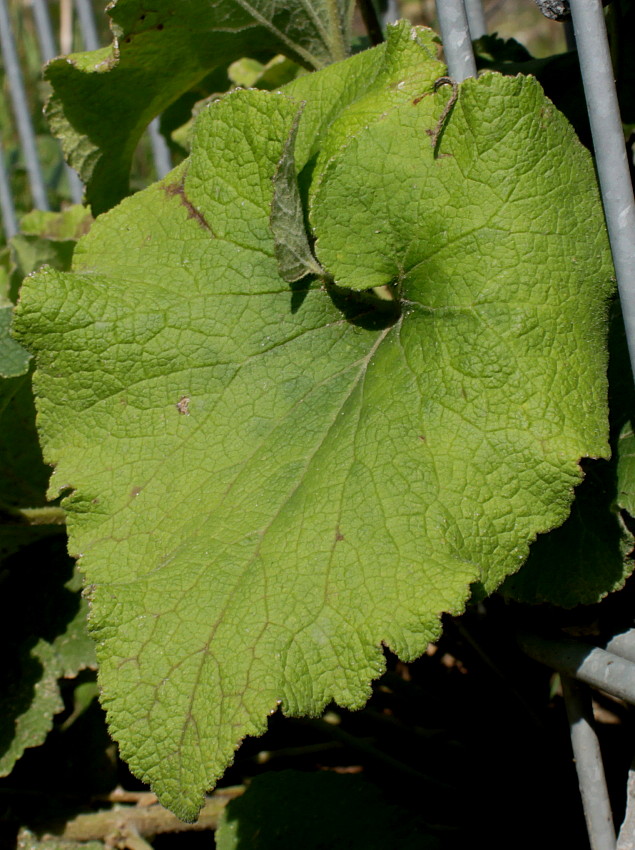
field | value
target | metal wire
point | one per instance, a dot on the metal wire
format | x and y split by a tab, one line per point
626	837
160	150
87	25
9	220
588	762
21	111
455	34
475	18
610	151
48	51
590	664
44	30
611	670
623	645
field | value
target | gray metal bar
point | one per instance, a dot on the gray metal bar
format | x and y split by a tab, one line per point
455	34
48	51
610	151
623	645
588	763
20	109
391	15
626	837
160	150
44	30
589	664
475	18
87	24
9	220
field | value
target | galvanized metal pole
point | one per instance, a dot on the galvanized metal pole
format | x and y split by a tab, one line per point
160	150
9	219
610	151
475	18
44	30
623	645
588	762
626	837
48	51
87	24
21	111
597	667
455	34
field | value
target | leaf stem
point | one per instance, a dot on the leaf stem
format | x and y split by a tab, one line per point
371	21
339	47
144	820
434	134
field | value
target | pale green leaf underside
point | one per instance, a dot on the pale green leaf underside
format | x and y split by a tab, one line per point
272	482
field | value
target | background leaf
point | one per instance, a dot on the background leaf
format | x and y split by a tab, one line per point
14	360
105	99
320	810
50	641
46	238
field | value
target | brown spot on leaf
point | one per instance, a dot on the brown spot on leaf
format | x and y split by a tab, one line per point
338	535
174	189
135	492
183	405
422	438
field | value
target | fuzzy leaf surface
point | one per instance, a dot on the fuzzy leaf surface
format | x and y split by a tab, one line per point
272	481
103	100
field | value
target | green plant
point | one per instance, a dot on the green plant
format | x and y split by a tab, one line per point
326	381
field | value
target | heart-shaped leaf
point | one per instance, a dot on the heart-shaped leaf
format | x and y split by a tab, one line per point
270	482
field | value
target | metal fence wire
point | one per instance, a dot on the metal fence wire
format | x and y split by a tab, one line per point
581	666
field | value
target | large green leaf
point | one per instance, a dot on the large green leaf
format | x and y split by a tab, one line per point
272	481
103	100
